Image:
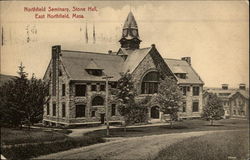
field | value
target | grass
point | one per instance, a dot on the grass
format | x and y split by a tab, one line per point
179	127
17	136
216	146
34	150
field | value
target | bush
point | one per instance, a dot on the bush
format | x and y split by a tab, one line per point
34	150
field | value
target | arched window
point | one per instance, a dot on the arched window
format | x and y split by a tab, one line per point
97	101
150	83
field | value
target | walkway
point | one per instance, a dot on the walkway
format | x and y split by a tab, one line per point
126	148
80	131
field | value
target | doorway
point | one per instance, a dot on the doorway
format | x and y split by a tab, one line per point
155	113
102	118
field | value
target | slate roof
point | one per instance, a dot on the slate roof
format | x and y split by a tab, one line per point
75	63
134	58
191	78
130	22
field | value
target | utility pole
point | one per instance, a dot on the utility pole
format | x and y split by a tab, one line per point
106	104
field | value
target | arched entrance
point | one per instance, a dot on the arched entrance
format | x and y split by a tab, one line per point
155	112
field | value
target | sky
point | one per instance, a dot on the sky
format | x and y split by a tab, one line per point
214	34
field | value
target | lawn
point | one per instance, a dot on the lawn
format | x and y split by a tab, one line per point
215	146
25	144
17	136
183	126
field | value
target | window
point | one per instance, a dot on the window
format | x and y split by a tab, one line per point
98	101
196	91
150	83
63	89
195	106
63	110
93	114
93	87
60	72
184	90
47	108
95	72
102	87
181	75
54	109
184	107
113	110
80	90
80	110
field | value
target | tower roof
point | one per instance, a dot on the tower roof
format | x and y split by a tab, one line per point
130	22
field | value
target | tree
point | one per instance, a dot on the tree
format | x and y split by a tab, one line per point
170	97
22	100
126	97
213	109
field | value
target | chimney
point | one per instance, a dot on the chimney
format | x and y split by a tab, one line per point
56	50
242	86
224	86
153	45
110	52
187	59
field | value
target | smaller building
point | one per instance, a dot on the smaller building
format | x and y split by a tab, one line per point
239	104
235	100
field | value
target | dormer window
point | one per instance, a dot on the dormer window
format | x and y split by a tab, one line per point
180	72
93	69
181	75
94	72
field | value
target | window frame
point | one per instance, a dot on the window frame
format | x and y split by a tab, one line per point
80	112
148	84
196	92
195	102
63	89
54	109
93	87
63	110
97	104
48	109
113	109
78	90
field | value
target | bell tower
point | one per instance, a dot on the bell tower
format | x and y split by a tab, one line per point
130	35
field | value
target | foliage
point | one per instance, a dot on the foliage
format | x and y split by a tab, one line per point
34	150
133	111
213	109
22	100
170	97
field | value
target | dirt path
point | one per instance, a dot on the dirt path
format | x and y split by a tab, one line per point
126	148
80	131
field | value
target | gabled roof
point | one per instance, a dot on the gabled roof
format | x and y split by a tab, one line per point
134	58
244	93
76	62
177	65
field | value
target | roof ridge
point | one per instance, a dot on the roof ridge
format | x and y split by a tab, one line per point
90	52
173	59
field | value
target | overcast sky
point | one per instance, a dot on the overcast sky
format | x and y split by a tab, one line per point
213	33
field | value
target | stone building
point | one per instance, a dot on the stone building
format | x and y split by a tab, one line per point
77	87
235	101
